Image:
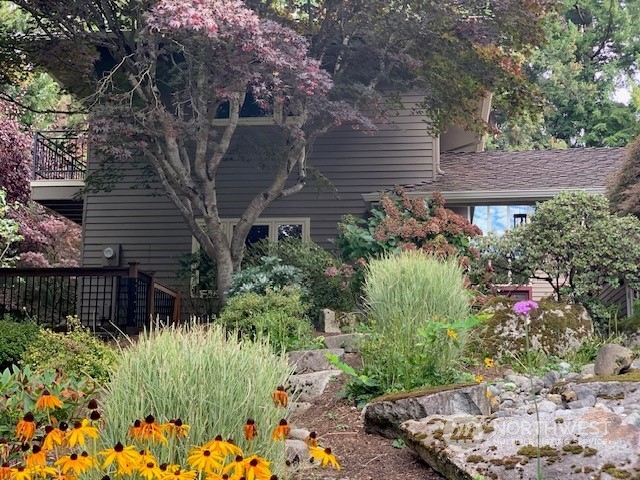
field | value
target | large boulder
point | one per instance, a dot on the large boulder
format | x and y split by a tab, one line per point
554	328
384	415
584	444
612	359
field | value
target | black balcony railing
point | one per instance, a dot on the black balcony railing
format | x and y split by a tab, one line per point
105	299
59	155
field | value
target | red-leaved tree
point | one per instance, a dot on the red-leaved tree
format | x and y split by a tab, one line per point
159	71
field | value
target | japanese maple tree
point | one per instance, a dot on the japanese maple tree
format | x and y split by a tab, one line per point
159	71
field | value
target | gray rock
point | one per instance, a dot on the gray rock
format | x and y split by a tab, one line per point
564	368
297	454
583	391
633	419
350	342
586	402
588	369
298	434
612	359
328	322
298	408
551	378
384	417
573	376
307	361
547	406
468	447
522	382
307	386
555	398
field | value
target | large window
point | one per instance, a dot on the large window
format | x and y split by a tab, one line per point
499	218
274	229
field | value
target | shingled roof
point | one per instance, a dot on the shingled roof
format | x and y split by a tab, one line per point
574	168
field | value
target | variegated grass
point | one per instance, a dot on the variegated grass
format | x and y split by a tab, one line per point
403	294
206	377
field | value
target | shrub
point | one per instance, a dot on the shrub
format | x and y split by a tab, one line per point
279	315
76	353
14	339
210	380
399	223
269	274
327	281
418	309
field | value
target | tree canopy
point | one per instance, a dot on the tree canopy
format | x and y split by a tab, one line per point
591	54
156	74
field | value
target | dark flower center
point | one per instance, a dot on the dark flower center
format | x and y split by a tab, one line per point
119	447
254	462
149	419
28	417
93	404
150	465
74	456
94	415
206	453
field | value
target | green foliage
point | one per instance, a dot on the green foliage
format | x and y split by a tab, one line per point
574	243
20	389
8	233
76	353
327	281
278	315
419	313
210	380
401	222
269	274
591	51
14	339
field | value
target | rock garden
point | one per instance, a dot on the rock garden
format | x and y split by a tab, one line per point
399	360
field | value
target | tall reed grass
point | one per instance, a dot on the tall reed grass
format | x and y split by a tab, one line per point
404	294
209	379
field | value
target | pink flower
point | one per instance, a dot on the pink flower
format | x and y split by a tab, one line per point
524	307
331	272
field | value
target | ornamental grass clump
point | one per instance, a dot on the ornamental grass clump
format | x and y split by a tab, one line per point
204	376
419	312
64	432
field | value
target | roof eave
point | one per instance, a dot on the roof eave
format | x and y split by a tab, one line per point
493	196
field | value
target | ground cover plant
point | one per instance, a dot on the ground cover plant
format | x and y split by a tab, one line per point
279	315
212	381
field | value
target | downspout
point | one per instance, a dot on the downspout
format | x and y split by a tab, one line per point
436	156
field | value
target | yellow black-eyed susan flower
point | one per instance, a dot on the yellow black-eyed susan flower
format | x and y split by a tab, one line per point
42	471
256	468
38	456
201	458
236	467
47	401
179	474
135	430
53	437
280	397
324	457
150	470
250	429
150	430
88	460
26	428
281	432
488	362
71	463
175	428
222	447
5	471
21	473
311	440
80	430
127	458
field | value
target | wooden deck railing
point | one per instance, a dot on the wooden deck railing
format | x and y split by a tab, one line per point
104	299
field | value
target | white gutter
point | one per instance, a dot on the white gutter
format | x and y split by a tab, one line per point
492	196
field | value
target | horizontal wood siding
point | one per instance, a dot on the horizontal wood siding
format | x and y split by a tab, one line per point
615	296
152	232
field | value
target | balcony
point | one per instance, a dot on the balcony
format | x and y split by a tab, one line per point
59	170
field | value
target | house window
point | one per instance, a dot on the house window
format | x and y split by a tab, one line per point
273	229
499	218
